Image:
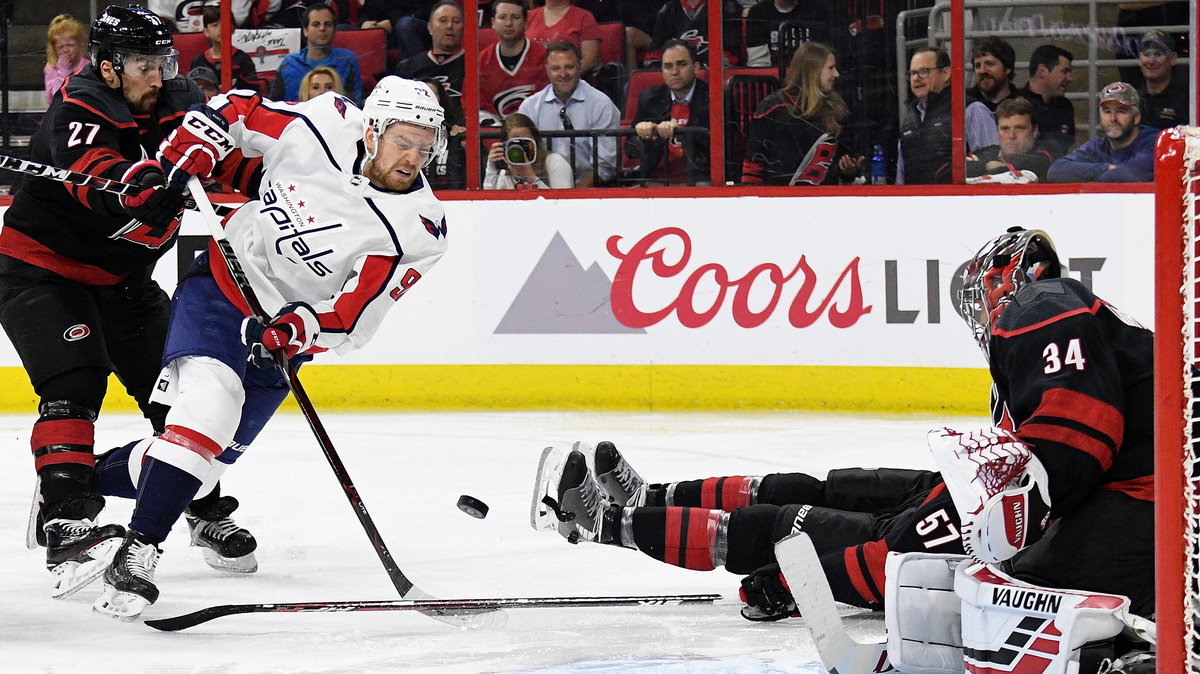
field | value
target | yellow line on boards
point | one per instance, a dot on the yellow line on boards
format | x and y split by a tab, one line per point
609	387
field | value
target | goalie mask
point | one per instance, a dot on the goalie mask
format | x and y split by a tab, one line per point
135	38
396	99
997	271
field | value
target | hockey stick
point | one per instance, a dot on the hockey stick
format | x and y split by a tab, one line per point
403	585
840	653
206	614
70	177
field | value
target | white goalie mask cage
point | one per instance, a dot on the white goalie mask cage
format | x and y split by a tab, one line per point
396	99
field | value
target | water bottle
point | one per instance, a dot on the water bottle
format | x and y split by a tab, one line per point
878	167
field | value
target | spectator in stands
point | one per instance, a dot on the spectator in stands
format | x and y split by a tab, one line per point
925	130
1018	158
513	68
447	171
764	19
570	104
1147	15
1049	77
681	100
319	80
993	60
638	17
65	44
403	20
521	161
793	137
1124	154
444	61
685	20
245	75
560	20
206	79
319	29
1164	96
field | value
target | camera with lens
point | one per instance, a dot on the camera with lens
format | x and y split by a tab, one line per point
520	150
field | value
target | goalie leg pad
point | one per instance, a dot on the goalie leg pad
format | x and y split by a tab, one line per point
1012	626
923	615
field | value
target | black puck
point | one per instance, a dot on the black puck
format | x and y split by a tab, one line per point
472	506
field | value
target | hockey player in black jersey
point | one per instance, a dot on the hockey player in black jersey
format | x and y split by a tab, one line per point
76	295
1072	402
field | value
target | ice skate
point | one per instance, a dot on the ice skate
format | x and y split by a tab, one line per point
225	545
567	499
616	477
129	581
77	552
77	549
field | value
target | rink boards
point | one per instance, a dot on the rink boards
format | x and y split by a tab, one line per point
830	302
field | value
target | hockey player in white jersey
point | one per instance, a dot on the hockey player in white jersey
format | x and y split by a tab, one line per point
341	225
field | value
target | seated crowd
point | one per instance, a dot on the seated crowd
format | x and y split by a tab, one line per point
561	107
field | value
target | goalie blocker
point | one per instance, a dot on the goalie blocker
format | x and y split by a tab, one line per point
948	614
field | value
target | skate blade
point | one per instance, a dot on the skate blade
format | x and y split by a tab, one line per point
550	468
32	531
71	577
120	605
247	563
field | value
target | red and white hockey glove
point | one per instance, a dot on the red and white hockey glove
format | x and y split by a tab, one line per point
154	204
196	146
767	596
293	331
998	486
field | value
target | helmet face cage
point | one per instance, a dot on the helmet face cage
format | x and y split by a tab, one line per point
997	271
395	99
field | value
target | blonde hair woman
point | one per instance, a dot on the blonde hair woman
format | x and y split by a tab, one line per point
520	160
793	135
319	80
65	45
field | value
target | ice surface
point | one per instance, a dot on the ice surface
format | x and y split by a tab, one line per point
410	469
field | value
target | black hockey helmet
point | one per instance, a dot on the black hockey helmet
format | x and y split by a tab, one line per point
120	31
997	272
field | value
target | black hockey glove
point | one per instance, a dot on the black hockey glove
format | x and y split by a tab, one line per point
155	205
767	595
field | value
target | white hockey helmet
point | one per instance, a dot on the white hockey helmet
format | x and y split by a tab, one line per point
396	99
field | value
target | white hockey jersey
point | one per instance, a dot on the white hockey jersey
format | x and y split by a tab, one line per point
320	232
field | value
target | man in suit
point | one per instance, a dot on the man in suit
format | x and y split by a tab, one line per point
681	100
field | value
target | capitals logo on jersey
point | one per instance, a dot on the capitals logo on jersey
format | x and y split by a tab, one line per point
436	229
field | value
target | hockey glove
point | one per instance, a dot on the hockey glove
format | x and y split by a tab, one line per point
154	204
767	595
293	331
196	146
999	488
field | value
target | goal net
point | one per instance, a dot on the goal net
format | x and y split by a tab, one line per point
1177	384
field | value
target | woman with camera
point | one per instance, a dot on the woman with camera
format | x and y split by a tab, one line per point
520	160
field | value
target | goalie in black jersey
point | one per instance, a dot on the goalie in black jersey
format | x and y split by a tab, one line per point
1069	463
76	295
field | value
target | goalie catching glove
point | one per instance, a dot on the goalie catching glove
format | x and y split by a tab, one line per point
767	595
196	146
998	486
293	331
154	204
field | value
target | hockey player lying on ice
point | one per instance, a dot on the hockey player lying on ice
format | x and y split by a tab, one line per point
341	226
1072	401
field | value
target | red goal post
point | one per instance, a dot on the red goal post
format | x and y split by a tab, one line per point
1176	357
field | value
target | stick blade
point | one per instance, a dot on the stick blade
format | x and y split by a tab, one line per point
840	654
182	622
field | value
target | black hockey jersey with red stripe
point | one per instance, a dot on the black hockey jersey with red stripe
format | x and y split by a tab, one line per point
786	150
76	231
1073	377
